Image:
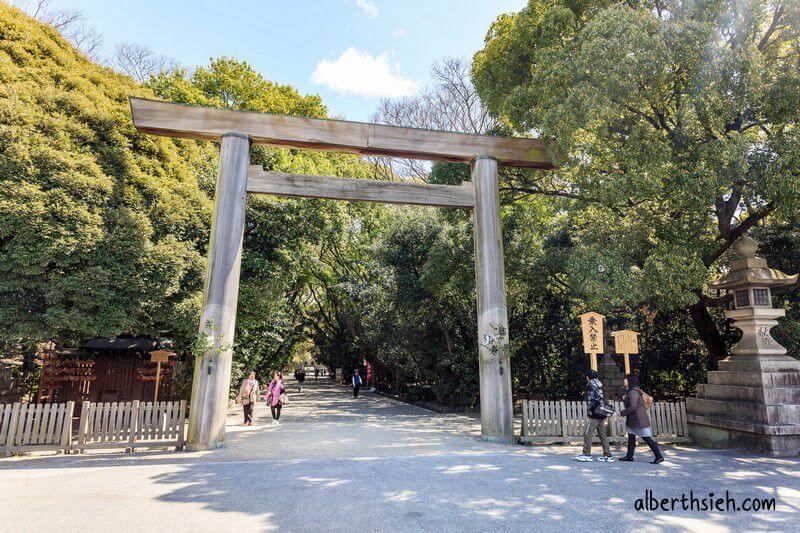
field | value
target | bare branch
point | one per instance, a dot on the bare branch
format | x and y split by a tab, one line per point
451	103
140	62
70	23
776	18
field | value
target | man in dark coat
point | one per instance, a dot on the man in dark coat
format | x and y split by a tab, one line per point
597	421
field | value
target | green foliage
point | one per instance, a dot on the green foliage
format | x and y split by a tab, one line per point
675	125
286	241
229	83
780	246
102	230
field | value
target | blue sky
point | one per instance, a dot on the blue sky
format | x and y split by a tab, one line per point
359	49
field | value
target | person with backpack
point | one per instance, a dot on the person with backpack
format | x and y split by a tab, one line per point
598	412
637	421
356	383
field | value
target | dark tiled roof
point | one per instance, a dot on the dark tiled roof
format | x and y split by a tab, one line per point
127	344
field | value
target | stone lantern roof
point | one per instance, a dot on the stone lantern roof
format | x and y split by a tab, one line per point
748	270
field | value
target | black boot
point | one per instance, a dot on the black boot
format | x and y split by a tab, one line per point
659	458
631	448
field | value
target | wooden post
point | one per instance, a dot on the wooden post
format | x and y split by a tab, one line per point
497	423
12	429
158	379
524	431
66	429
181	425
563	416
133	425
83	426
627	358
212	372
593	361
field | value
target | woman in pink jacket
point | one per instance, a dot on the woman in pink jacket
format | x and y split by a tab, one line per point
274	392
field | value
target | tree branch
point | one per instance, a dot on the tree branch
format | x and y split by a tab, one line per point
738	231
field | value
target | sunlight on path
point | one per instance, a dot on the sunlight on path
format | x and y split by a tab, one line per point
373	464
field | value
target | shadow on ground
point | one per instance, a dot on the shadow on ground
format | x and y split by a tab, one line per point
374	464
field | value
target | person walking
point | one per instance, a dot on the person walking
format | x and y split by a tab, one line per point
637	421
275	395
316	373
356	383
301	378
597	422
248	396
368	372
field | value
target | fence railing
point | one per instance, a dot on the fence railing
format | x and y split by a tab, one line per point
563	421
131	424
35	426
43	427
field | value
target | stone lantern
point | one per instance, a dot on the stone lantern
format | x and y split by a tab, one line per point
751	281
753	400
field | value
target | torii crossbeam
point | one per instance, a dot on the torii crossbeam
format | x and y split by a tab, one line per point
236	130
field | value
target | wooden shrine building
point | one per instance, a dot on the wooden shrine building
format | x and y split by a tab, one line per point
107	370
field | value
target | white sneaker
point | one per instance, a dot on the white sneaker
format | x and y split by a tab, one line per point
584	458
606	459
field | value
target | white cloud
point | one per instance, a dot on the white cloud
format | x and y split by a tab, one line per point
359	73
399	32
367	7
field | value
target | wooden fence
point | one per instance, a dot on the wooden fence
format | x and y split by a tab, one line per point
563	421
38	426
43	427
131	424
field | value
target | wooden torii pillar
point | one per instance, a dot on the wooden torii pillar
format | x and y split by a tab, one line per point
236	131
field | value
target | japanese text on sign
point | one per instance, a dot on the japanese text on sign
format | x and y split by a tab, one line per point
592	325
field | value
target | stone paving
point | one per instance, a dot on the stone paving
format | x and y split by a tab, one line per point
373	464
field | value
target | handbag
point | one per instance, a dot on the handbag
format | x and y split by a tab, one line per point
248	394
647	400
605	409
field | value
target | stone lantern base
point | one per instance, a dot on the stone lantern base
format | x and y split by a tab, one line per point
750	403
612	378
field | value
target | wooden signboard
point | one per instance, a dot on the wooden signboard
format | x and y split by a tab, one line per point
626	342
159	356
592	326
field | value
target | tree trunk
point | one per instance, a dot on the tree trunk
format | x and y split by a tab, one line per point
708	332
448	343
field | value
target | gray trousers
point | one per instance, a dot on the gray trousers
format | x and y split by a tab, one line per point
596	426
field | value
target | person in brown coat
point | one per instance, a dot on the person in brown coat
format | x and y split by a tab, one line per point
637	421
248	396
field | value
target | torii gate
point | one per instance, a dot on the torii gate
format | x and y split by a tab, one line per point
236	130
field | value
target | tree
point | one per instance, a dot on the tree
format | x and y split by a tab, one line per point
450	104
70	23
292	248
102	230
140	62
675	128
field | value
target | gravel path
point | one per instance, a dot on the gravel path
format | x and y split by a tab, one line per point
374	464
